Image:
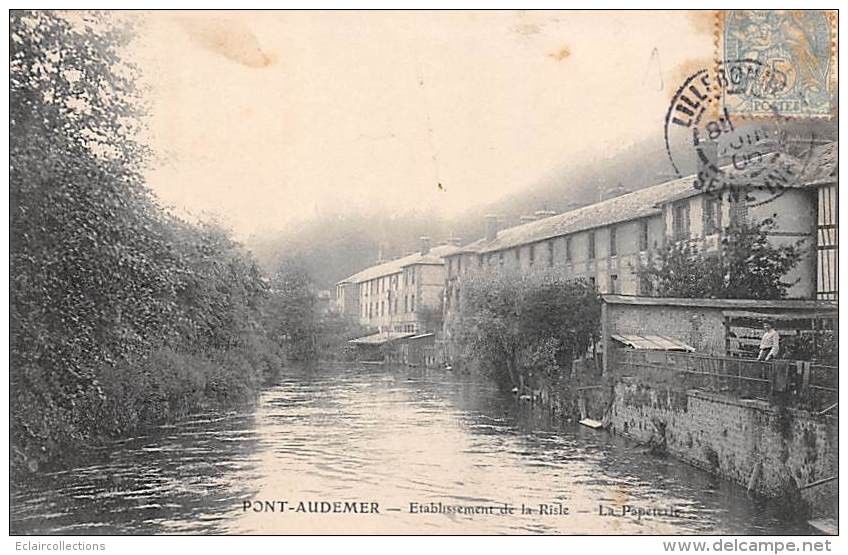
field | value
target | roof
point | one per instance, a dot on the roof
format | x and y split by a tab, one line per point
821	168
754	176
752	304
434	257
380	338
790	316
653	343
631	206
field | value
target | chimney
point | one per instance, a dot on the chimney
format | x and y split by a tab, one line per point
544	214
425	245
491	227
526	219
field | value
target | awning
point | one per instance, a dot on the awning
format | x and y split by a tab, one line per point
422	336
380	338
653	343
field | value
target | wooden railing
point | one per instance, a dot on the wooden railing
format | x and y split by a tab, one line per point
804	384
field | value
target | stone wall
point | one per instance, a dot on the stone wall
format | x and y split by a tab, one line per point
699	323
771	449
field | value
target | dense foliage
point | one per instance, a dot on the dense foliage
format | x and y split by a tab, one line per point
515	324
747	265
290	315
121	314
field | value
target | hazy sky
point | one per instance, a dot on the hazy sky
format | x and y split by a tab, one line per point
265	118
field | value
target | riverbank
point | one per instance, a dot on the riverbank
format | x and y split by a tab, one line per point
130	397
779	453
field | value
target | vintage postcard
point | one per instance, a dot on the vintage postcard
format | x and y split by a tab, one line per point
424	273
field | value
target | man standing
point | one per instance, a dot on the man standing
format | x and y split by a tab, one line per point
769	344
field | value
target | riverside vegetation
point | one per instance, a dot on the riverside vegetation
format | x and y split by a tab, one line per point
527	330
523	329
122	314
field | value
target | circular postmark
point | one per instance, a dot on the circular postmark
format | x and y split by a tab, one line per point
743	159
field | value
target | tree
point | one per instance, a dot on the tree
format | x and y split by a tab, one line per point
89	254
290	312
747	265
515	323
121	314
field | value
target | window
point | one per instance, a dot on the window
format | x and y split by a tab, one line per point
412	276
613	247
450	266
568	249
480	261
406	303
591	245
738	211
412	304
458	264
550	253
712	215
532	254
680	220
501	258
518	256
643	235
614	284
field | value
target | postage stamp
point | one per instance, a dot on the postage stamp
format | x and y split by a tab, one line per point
795	57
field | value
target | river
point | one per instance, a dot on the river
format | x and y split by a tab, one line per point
391	437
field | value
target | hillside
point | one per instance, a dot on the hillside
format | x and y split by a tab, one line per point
335	247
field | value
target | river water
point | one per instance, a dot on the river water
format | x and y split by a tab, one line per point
390	437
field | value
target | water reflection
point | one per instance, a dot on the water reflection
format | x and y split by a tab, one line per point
391	437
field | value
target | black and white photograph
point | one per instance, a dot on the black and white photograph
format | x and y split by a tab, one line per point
424	273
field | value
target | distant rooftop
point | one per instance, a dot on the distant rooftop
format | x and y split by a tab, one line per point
627	207
434	257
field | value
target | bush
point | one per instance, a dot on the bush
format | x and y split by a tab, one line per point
513	324
746	266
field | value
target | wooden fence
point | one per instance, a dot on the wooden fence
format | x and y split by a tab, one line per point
804	384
